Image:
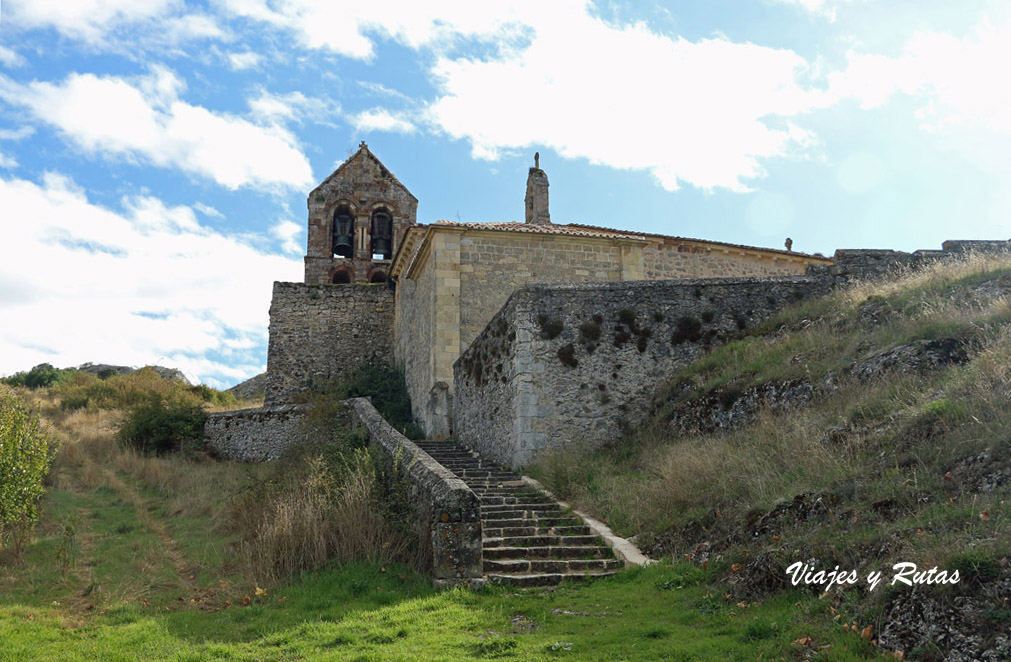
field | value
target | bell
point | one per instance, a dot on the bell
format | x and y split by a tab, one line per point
381	246
343	247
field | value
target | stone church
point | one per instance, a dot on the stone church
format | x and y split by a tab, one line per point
381	288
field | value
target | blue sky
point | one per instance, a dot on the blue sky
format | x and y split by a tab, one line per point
155	156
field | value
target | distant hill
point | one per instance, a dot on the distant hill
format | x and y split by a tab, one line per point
105	370
251	389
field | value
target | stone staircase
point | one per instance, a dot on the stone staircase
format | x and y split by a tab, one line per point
528	540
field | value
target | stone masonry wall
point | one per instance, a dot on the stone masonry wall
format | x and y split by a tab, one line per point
574	364
671	258
494	265
415	334
254	435
318	332
447	511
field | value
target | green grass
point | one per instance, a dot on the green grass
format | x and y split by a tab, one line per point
364	611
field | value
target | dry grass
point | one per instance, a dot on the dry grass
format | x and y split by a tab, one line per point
322	517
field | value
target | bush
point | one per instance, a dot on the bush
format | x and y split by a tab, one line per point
41	375
386	388
24	461
158	427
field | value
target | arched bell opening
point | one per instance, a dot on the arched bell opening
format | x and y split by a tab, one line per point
378	276
343	232
341	277
382	235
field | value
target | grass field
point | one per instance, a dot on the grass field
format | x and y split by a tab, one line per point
133	559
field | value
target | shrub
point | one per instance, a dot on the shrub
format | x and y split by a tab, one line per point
589	331
160	426
687	329
386	388
41	375
25	457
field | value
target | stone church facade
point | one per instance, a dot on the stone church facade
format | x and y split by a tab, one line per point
380	288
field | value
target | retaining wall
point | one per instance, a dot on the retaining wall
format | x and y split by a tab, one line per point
575	364
254	435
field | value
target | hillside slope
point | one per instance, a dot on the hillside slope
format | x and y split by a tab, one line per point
864	429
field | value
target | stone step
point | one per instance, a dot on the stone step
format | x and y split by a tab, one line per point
519	509
558	552
543	540
543	579
514	522
490	474
510	499
518	566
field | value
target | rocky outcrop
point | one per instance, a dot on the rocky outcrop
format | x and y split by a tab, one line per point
968	627
727	408
916	357
251	389
104	370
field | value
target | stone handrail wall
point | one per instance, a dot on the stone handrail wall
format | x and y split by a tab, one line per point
448	511
254	435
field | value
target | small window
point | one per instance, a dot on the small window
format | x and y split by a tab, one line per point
382	235
341	277
378	276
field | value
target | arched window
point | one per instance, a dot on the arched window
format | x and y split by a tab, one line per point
343	232
341	277
378	276
382	235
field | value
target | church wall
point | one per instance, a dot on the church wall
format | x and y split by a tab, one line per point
563	364
319	332
671	258
414	332
493	265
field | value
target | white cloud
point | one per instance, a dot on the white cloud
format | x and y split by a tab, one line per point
380	119
95	21
290	235
826	8
555	75
959	82
16	134
702	112
144	284
207	210
347	27
291	107
244	60
145	120
8	162
10	58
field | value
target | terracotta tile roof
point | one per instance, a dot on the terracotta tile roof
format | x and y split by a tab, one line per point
568	230
779	251
572	230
